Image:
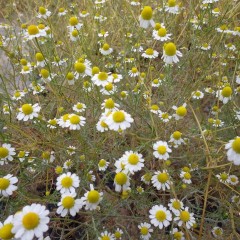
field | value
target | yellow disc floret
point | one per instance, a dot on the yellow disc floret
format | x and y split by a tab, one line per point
236	145
118	116
68	202
73	21
181	111
226	92
3	152
162	150
102	76
5	231
30	220
4	183
133	159
160	215
170	49
67	182
75	119
33	30
27	109
147	13
162	32
177	135
120	178
144	230
162	177
149	51
93	196
184	216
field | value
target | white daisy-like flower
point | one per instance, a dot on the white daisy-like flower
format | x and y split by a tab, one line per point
217	232
71	150
150	53
75	122
33	32
225	94
6	228
237	114
205	47
133	72
117	77
52	123
28	111
175	205
43	13
235	199
74	24
135	3
165	117
105	49
209	1
22	155
102	79
109	105
197	94
145	230
82	68
133	161
101	124
121	181
68	164
92	198
233	180
106	236
79	107
161	180
84	14
170	53
186	177
6	153
181	111
161	35
7	186
67	182
103	33
161	150
90	176
118	233
223	177
119	120
74	35
18	95
62	12
146	17
69	205
146	178
185	217
160	216
177	235
233	150
217	123
30	222
172	7
109	89
63	120
102	165
176	139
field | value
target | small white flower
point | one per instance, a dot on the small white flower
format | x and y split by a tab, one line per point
185	217
121	181
28	111
217	232
6	153
67	182
145	230
175	205
102	165
146	17
75	122
161	150
233	180
170	53
161	180
106	236
7	186
233	150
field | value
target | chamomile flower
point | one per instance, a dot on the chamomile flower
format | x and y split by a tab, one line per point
119	120
28	111
217	232
176	139
71	150
205	47
6	153
74	24
102	165
233	180
110	105
160	216
79	107
30	221
48	157
106	236
133	72
161	35
233	150
223	177
177	235
225	94
235	199
146	178
172	7
7	186
82	68
175	205
84	14
161	180
22	155
197	94
118	233
68	164
145	230
90	176
186	177
185	217
74	35
18	95
170	53
150	53
102	79
6	229
161	150
121	181
62	12
165	117
137	48
105	49
52	123
33	32
117	77
146	17
75	122
133	161
181	111
101	124
217	123
43	13
67	182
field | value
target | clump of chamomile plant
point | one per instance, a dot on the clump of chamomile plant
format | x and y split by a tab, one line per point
120	120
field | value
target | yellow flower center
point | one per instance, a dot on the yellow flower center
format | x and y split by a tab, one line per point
23	62
30	220
235	145
162	177
165	116
118	116
134	70
170	49
73	21
3	152
67	182
181	111
197	94
187	175
117	234
68	202
61	10
144	230
103	124
171	3
80	67
147	13
4	183
102	163
41	26
44	73
177	135
95	70
109	103
186	169
160	215
120	178
42	10
185	216
223	176
74	33
27	109
70	76
147	177
21	154
39	57
133	159
216	10
162	150
65	117
5	231
105	238
79	106
149	51
157	26
33	30
93	196
224	27
105	47
109	87
162	32
74	119
176	204
177	235
156	81
227	91
154	107
58	169
46	155
102	76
